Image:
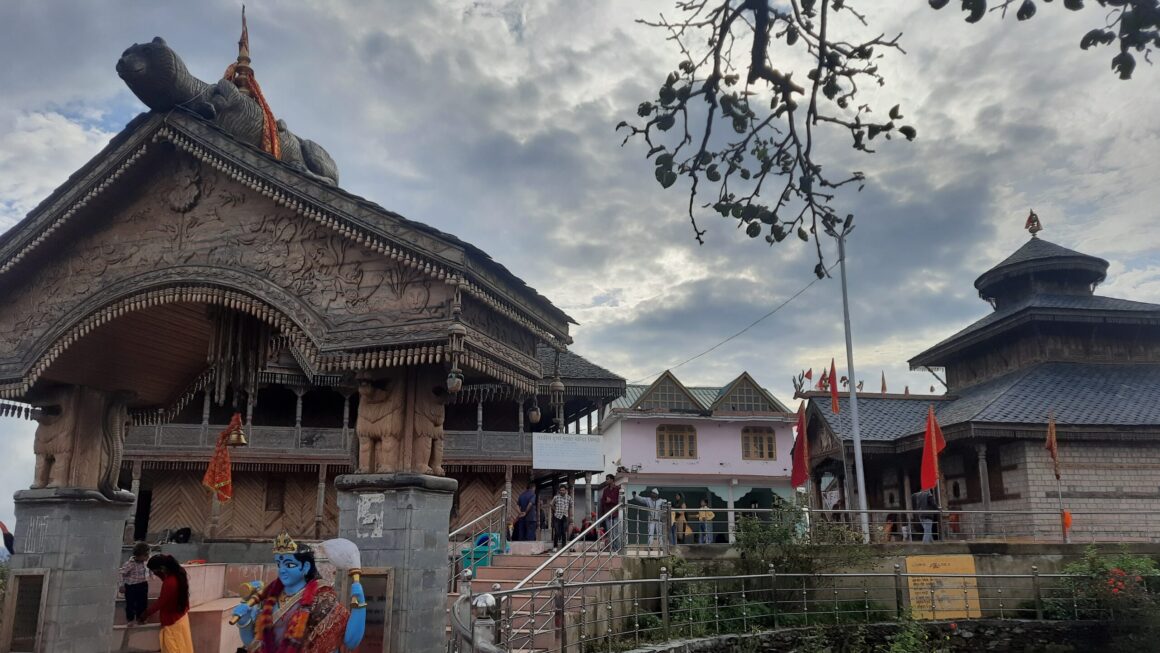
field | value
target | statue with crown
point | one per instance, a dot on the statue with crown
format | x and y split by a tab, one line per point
299	612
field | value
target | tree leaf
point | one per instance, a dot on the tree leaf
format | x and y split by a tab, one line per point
1026	10
1124	63
658	148
802	234
894	113
938	4
666	122
665	176
712	174
908	132
753	230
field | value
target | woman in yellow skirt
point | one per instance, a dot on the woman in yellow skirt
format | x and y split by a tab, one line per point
172	605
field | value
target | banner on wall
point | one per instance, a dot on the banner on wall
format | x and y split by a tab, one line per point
577	452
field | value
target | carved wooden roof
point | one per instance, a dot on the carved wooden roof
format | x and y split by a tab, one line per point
340	251
352	214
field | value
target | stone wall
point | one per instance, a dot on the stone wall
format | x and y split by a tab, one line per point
1098	477
990	635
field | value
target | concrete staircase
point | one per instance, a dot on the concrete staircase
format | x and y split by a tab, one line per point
533	618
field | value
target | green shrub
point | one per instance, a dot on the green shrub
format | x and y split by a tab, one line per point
1120	586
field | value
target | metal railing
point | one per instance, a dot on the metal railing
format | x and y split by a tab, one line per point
1087	526
615	613
461	542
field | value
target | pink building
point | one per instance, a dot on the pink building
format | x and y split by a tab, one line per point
730	445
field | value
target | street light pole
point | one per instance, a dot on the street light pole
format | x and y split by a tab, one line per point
865	517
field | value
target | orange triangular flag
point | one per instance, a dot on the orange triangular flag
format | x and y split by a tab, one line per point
932	445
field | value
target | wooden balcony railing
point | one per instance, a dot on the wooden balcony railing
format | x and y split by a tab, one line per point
457	445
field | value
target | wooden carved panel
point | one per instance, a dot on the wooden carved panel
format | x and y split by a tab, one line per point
498	327
192	217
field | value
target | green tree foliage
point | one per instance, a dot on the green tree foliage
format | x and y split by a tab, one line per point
757	82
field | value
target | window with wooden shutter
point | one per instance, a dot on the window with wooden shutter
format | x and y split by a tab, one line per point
758	443
676	441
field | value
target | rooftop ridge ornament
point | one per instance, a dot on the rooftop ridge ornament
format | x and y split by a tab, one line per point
1032	225
242	75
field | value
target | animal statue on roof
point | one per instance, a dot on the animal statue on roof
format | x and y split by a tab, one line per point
159	78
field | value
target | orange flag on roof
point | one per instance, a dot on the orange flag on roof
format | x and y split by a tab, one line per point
834	388
219	475
932	445
883	381
801	451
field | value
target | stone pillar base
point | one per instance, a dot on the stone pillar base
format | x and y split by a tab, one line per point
401	521
75	535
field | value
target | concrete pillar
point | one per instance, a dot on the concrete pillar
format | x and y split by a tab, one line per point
73	535
400	521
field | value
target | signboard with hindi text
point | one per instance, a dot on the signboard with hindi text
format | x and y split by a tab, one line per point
940	589
578	452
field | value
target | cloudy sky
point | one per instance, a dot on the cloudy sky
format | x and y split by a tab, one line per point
493	120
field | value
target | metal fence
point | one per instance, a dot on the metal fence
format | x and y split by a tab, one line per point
463	544
609	614
1085	526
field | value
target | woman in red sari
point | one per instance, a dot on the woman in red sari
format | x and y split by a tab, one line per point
172	605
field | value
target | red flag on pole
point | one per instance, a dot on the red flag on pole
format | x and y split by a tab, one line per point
218	476
809	374
834	388
1052	445
932	446
801	451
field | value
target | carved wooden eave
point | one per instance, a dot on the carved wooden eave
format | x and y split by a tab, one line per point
486	296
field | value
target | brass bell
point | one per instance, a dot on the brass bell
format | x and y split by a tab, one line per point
237	437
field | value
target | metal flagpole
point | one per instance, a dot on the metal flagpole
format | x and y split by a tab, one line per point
865	517
1062	522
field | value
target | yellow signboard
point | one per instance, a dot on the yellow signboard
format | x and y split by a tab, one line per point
940	587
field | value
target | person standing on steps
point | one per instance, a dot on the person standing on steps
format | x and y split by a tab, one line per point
135	585
529	515
172	605
561	515
928	509
609	499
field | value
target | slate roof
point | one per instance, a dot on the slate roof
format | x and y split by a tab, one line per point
1090	394
1066	304
1039	254
705	396
572	366
882	419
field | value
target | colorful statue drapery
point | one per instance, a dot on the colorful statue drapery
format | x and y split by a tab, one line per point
299	612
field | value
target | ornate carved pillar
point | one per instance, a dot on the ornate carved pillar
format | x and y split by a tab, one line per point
479	415
346	416
298	394
205	406
320	501
135	488
520	413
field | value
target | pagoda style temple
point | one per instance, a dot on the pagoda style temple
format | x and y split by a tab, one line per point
1050	346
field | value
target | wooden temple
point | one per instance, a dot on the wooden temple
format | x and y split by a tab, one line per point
301	435
1049	347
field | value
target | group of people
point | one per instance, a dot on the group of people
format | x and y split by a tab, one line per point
172	604
685	526
559	513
